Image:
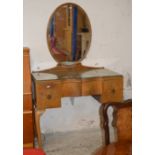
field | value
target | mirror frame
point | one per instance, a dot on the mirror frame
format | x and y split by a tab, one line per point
47	30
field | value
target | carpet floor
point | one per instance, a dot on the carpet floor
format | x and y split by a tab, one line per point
83	142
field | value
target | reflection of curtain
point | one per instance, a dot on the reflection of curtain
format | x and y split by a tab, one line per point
52	27
52	38
74	34
53	47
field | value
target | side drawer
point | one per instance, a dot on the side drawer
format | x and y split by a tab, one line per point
48	94
27	102
28	135
92	86
112	89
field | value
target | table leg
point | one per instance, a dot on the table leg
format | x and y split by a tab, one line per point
104	123
37	122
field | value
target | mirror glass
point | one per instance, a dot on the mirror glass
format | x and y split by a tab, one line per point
69	34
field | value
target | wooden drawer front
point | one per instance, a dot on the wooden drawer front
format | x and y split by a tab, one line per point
92	87
27	102
28	135
113	89
48	94
71	88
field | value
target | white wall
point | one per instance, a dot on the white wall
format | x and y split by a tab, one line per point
111	47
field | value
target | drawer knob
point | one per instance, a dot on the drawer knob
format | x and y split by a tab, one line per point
49	97
113	91
48	86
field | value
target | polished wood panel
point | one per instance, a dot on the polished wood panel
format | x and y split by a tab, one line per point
28	145
122	120
27	101
92	86
27	127
112	89
123	124
119	148
28	132
71	88
48	94
26	71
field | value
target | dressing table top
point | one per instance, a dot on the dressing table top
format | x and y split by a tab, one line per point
79	72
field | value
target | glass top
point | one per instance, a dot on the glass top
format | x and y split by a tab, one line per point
73	74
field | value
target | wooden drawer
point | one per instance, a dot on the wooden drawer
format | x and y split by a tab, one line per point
27	102
112	89
28	135
48	94
71	88
92	86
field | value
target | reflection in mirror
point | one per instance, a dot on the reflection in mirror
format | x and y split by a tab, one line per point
68	33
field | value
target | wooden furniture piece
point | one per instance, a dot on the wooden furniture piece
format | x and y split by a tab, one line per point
77	80
122	122
69	78
28	135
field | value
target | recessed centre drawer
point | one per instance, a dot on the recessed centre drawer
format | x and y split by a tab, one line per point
48	94
92	86
71	88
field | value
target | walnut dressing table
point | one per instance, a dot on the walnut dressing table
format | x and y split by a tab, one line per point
69	78
50	85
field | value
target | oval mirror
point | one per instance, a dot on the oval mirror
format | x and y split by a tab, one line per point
69	34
